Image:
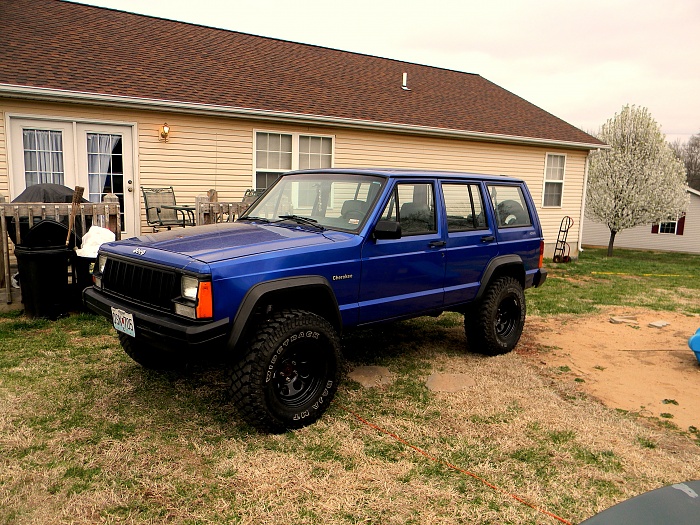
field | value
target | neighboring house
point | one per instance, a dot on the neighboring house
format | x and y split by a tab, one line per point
85	91
681	235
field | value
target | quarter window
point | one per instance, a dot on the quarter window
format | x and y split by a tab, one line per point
510	206
554	180
276	153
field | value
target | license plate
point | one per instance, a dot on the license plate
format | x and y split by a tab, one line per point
123	321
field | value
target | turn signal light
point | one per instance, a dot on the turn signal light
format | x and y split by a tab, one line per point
205	305
539	264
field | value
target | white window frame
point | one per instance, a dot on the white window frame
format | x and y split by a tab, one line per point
295	150
546	181
675	227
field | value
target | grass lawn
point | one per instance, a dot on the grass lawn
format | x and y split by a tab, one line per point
88	436
660	281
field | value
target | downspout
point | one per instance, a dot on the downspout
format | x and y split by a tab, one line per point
583	202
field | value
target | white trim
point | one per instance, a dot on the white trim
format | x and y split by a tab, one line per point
297	118
545	180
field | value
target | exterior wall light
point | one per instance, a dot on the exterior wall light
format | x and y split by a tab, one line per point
164	132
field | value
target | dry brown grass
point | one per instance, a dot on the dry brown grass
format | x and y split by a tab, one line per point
87	436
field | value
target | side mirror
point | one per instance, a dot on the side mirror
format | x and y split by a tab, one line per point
387	230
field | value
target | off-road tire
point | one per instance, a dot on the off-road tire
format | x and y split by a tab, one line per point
290	372
148	356
494	325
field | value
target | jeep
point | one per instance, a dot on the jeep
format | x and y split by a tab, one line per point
319	253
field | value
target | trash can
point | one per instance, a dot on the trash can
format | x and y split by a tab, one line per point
82	278
43	261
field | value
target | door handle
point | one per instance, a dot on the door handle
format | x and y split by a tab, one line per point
437	244
488	238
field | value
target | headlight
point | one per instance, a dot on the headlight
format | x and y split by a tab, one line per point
101	262
189	287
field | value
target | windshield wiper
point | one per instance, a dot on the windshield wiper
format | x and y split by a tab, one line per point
249	218
300	219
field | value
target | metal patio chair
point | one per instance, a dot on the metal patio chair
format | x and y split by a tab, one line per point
162	210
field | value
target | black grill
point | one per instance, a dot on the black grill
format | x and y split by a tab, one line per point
145	284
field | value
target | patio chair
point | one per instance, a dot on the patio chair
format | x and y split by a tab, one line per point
163	212
251	195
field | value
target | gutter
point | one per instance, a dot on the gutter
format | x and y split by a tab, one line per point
583	202
59	95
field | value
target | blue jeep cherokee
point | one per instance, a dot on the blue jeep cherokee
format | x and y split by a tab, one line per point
320	252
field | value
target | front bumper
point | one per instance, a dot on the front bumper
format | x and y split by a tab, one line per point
161	330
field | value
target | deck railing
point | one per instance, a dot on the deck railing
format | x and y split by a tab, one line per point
211	211
105	214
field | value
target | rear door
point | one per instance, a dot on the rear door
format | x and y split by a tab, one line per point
403	277
471	239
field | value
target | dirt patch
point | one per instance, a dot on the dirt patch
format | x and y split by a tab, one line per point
628	366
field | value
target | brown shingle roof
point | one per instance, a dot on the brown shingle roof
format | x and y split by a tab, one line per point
65	46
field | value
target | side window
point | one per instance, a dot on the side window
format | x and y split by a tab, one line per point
510	206
413	205
464	206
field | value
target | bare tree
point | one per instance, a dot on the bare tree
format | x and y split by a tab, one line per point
689	153
638	180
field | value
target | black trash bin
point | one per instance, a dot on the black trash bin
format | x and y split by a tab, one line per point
43	261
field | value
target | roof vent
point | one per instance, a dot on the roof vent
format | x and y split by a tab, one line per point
404	83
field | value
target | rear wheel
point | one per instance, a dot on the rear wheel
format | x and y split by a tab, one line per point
494	326
290	372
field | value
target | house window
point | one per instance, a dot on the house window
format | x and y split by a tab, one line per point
554	180
276	153
43	156
668	227
671	227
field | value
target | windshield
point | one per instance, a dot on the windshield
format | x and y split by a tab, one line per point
338	201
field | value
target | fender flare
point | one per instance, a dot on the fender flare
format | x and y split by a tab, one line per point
258	291
495	263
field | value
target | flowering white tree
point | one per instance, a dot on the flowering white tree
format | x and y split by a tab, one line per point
638	180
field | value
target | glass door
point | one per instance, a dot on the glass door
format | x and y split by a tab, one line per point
106	166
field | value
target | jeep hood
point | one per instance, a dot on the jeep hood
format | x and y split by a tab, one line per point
216	242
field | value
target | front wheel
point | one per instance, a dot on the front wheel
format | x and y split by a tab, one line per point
290	372
494	326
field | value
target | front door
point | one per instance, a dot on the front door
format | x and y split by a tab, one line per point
97	157
403	276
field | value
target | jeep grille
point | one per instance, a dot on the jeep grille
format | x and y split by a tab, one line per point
145	284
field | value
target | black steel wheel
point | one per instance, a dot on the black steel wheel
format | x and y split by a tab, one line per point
290	372
495	325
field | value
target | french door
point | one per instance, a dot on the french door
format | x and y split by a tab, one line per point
98	157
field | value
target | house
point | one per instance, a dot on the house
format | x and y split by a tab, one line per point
87	95
681	235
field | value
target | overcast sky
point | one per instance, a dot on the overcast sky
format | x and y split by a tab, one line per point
579	60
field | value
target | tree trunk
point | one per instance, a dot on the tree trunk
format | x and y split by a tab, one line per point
611	242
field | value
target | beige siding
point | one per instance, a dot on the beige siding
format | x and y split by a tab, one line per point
598	235
215	152
400	151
